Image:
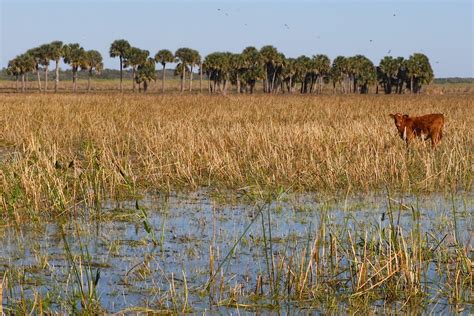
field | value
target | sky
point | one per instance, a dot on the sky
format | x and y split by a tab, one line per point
442	30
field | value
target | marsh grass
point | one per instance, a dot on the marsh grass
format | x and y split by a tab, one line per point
67	151
348	265
340	269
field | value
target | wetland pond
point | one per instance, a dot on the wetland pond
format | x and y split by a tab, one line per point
295	254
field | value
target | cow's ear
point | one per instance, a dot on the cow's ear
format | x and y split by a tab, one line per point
405	115
392	115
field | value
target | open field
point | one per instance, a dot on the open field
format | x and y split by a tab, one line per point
209	204
172	86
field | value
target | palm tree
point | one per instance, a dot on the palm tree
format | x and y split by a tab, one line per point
135	57
194	60
338	73
40	58
252	67
146	72
289	71
388	69
20	66
56	53
237	68
92	61
184	56
269	57
225	69
74	55
278	65
212	63
119	48
351	70
322	66
46	52
419	70
303	66
364	73
218	65
13	69
163	57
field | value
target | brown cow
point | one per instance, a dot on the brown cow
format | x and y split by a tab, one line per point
426	127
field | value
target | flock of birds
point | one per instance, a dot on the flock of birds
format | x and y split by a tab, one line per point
286	26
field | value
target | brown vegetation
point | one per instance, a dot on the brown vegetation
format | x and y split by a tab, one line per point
68	149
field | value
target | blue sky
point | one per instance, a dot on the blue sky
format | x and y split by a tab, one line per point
443	30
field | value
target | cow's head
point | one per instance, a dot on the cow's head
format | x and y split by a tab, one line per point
399	119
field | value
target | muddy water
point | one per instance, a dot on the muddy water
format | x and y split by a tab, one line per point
142	255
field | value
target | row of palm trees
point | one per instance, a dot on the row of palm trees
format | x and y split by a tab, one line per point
243	70
72	54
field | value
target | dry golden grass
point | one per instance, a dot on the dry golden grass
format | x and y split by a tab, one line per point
66	149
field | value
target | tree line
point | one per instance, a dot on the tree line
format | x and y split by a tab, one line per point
278	73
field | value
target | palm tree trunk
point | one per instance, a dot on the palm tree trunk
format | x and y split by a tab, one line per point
39	78
56	80
265	86
183	78
74	79
290	89
224	90
200	78
209	83
163	79
121	76
16	83
411	84
89	80
191	79
238	84
133	78
273	81
46	78
23	83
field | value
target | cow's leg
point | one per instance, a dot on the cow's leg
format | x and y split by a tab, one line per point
435	138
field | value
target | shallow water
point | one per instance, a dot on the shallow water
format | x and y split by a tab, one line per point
135	271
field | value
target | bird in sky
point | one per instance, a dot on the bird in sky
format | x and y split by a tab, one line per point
389	51
286	25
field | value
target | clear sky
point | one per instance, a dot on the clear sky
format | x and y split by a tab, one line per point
443	30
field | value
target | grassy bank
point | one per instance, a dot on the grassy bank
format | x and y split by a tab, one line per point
61	151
